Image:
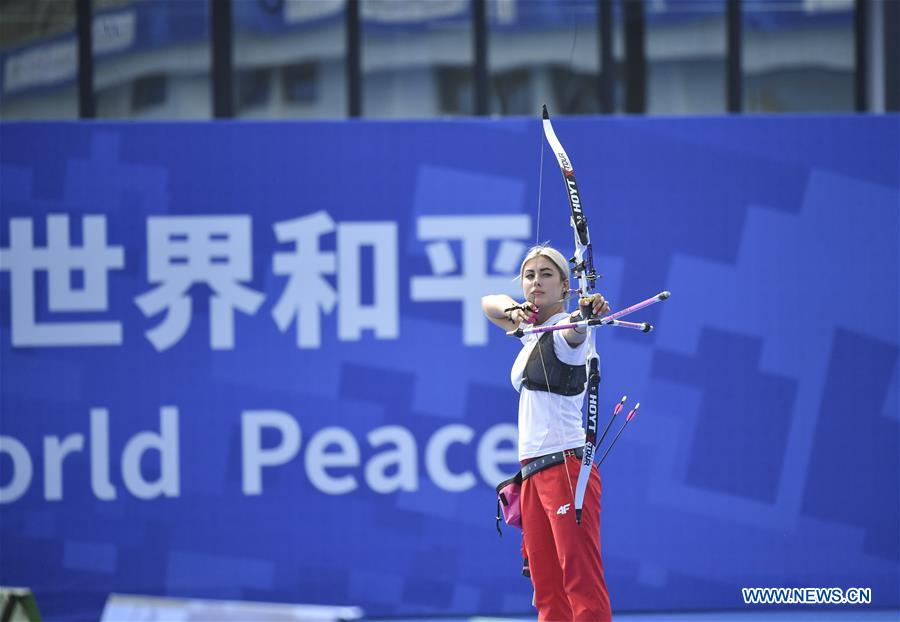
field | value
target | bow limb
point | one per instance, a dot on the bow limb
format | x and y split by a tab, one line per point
583	268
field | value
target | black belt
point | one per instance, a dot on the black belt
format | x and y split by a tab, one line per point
543	462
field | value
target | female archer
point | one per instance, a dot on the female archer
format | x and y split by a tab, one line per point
549	373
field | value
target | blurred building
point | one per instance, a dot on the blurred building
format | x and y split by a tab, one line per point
152	59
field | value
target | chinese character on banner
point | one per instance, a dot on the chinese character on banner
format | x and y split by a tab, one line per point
185	250
63	263
473	280
308	292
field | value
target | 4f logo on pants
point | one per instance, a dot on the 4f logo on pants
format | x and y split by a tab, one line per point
563	508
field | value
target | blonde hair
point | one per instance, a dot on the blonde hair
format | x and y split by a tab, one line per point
545	250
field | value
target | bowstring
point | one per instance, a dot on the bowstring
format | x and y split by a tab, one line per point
537	229
537	237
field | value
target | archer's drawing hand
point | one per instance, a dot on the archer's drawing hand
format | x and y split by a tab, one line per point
525	312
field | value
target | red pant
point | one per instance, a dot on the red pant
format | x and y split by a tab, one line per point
564	557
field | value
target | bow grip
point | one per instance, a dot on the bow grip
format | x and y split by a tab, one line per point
587	311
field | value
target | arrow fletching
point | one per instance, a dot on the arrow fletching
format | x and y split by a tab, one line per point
633	412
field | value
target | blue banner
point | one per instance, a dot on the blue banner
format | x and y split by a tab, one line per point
247	360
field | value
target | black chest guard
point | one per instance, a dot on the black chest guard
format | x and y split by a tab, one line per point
562	378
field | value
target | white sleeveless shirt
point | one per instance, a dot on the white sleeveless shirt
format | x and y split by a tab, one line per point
549	422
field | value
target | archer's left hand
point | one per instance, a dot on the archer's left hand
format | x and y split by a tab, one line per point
596	303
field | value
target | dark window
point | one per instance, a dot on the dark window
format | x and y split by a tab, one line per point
512	92
300	85
576	93
148	92
253	88
455	90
